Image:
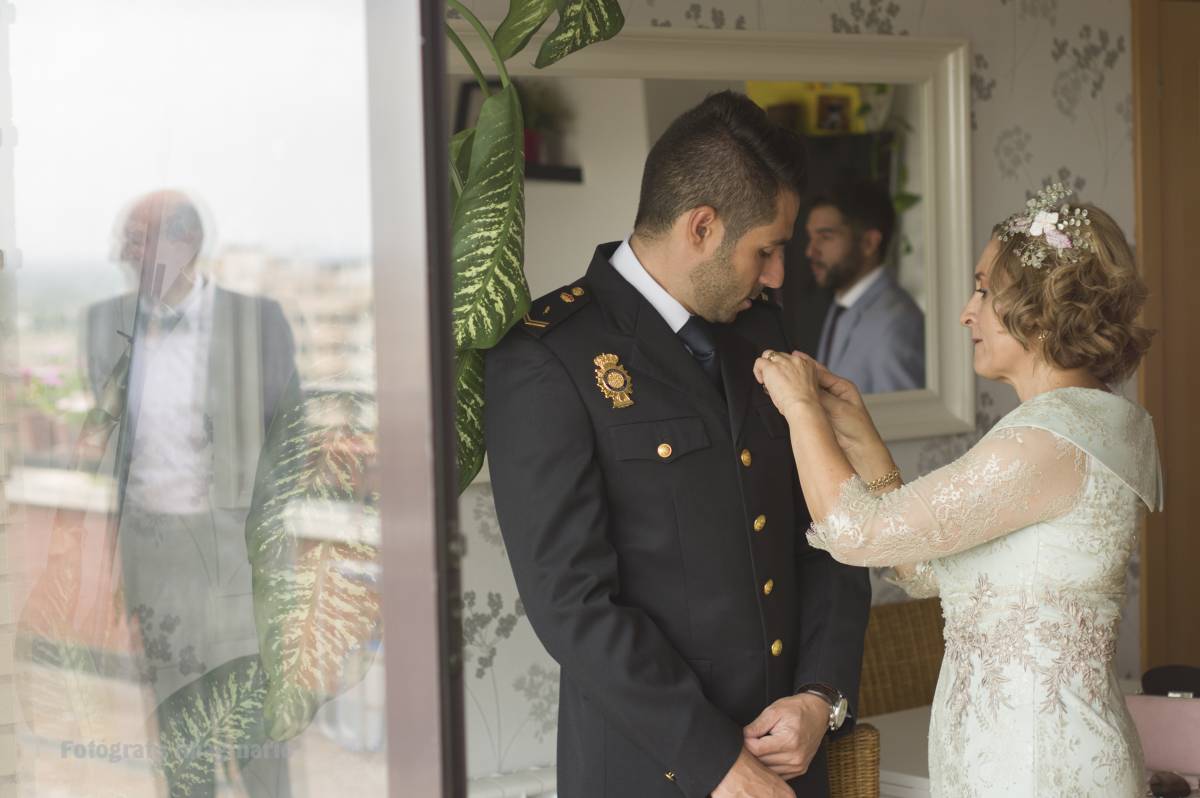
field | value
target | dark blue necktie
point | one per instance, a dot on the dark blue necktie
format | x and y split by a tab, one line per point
827	350
697	336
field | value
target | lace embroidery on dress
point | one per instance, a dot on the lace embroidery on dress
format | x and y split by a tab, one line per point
1013	478
1117	432
1084	638
985	636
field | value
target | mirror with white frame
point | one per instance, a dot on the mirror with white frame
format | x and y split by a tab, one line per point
885	126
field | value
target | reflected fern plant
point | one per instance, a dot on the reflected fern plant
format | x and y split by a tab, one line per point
312	542
487	175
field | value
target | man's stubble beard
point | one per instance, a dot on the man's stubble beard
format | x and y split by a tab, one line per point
716	294
840	275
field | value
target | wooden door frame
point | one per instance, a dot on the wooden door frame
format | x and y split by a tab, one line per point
1147	37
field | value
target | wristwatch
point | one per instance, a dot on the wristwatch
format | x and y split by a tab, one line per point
838	705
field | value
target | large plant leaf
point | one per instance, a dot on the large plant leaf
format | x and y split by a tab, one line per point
56	672
323	619
580	23
523	20
469	415
310	540
490	292
214	718
460	161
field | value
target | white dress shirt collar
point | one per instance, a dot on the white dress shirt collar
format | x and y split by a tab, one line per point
628	266
856	292
189	307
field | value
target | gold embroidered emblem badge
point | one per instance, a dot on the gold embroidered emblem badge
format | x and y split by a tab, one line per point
613	380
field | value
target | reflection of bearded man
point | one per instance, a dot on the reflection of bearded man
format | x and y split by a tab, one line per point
874	333
840	274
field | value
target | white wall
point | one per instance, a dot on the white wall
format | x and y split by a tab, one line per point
565	221
667	99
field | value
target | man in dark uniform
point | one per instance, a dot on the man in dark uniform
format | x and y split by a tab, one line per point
648	498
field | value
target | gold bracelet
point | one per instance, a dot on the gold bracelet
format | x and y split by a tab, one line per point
888	479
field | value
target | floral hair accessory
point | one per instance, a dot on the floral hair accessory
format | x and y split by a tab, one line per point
1049	226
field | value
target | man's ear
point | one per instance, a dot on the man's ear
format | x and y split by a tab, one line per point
702	228
869	243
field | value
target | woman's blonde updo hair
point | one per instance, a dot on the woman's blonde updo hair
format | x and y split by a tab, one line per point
1080	313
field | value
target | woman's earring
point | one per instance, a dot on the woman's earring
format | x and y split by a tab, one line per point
1043	335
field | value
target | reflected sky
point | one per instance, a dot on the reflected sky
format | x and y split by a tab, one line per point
260	108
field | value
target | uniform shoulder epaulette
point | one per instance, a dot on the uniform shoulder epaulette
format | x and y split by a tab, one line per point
547	312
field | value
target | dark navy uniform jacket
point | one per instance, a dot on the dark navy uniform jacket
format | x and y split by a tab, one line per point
656	532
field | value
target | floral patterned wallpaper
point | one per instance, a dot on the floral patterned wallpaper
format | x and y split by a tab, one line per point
1051	101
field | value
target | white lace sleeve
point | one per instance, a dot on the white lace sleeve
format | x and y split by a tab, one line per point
921	583
1013	478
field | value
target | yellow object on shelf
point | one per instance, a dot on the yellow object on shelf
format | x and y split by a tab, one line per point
824	108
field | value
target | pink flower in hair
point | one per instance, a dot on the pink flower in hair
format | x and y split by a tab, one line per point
1058	239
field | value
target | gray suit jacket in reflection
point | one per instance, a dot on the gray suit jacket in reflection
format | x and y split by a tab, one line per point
251	368
879	343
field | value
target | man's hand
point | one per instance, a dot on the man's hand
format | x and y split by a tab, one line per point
749	778
786	735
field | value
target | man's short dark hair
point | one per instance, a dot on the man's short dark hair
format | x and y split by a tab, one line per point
864	205
723	153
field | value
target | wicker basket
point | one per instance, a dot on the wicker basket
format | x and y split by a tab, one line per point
902	657
854	764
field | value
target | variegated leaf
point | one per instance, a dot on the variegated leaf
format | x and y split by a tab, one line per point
57	676
57	673
460	161
311	543
490	292
469	415
214	718
523	20
580	23
323	619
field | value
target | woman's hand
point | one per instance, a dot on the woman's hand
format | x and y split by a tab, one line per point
846	408
792	381
853	427
796	382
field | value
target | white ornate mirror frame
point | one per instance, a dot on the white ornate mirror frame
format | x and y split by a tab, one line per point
937	70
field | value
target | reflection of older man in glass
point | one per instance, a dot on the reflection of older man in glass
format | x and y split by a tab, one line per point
874	333
209	370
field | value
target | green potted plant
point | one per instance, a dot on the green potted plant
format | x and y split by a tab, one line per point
546	114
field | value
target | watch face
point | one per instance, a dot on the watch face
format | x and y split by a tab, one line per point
838	714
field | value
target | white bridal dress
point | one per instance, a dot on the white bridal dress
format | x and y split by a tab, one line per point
1026	538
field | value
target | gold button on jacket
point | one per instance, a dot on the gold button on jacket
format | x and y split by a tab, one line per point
768	586
776	648
664	450
760	523
746	458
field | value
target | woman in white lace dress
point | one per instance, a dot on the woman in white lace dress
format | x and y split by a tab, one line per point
1027	536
